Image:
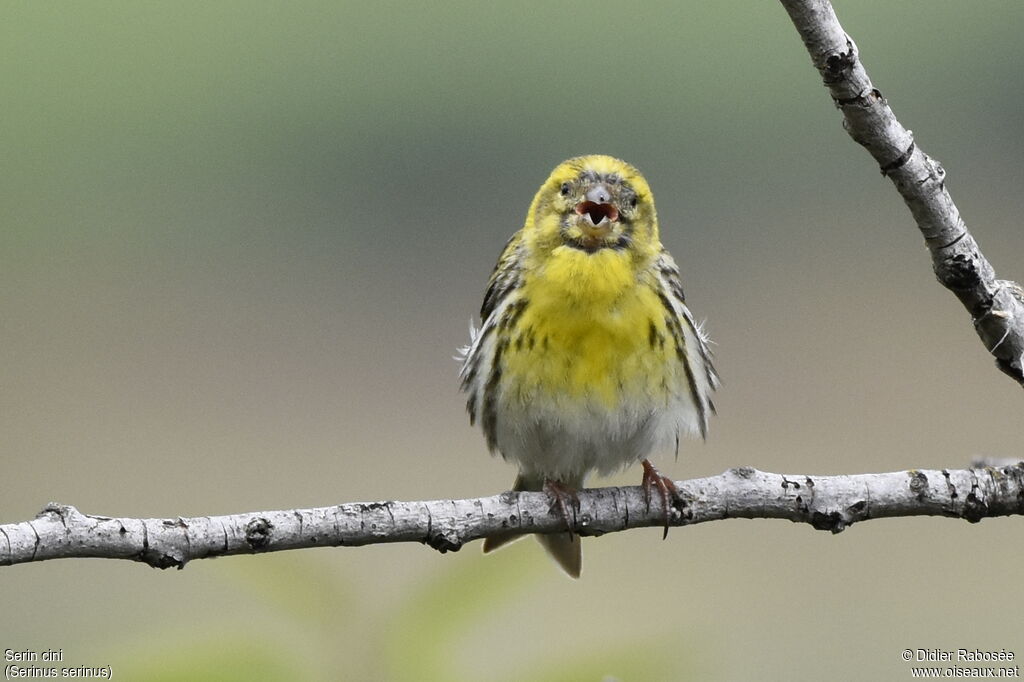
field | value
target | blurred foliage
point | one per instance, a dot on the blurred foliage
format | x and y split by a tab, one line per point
324	630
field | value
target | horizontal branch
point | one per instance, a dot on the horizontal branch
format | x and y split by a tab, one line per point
996	306
829	503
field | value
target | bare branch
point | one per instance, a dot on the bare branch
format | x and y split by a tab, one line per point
996	306
829	503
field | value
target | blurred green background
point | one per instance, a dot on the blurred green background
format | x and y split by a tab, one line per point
239	243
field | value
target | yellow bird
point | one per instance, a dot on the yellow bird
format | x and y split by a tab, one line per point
587	358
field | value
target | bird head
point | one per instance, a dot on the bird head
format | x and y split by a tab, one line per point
592	203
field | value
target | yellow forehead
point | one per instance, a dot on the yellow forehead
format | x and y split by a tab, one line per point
599	164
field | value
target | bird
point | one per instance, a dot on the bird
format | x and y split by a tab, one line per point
587	359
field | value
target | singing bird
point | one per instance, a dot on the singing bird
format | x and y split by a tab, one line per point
587	358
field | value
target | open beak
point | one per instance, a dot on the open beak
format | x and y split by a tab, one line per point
597	215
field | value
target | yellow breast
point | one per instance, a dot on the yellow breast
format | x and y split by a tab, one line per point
592	331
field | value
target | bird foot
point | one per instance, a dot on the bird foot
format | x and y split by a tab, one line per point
564	501
667	490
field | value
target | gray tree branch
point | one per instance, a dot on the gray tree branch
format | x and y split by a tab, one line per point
996	306
830	503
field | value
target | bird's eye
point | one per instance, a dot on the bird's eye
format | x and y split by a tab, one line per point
632	201
565	189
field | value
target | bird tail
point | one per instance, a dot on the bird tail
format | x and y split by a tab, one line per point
564	548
